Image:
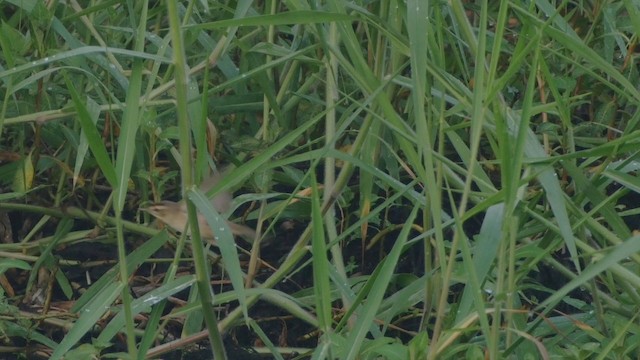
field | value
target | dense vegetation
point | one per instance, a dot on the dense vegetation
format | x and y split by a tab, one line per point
428	179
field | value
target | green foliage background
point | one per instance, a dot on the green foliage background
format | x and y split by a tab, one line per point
461	177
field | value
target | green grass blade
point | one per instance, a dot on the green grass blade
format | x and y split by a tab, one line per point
88	319
611	260
93	137
320	265
143	304
367	313
226	243
285	18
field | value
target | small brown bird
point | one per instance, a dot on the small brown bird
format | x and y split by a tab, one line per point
174	214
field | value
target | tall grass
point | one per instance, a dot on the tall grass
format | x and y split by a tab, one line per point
428	179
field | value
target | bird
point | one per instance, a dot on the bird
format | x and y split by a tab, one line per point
174	214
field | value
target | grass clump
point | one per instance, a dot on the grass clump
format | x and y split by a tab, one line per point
427	179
